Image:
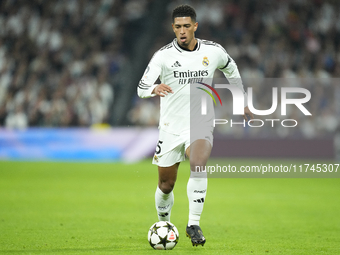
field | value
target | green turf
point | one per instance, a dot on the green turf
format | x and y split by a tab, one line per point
107	208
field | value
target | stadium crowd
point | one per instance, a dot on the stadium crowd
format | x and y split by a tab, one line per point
60	60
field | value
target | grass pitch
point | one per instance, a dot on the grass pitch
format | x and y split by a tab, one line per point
107	208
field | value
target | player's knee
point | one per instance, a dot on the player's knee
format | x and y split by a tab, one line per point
197	163
166	186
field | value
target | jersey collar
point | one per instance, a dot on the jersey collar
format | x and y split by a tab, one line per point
180	49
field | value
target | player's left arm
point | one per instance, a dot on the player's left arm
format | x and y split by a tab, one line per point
231	72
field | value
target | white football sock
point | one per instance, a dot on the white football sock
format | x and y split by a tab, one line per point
164	203
196	191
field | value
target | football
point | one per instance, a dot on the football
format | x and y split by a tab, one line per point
163	235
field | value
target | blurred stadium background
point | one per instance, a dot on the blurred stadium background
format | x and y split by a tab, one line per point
69	71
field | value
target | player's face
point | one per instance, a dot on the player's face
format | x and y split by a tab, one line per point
184	29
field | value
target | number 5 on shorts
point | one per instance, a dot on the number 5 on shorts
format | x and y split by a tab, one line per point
158	149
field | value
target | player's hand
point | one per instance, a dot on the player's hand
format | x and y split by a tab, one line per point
248	115
162	90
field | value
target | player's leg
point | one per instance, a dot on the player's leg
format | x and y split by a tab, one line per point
167	177
198	153
164	197
170	151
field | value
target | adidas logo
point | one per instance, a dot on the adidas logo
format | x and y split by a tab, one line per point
163	214
200	200
176	64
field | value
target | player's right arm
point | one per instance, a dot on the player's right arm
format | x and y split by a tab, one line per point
146	87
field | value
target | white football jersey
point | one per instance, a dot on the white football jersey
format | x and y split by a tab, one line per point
179	68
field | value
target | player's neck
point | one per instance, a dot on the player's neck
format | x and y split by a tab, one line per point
191	47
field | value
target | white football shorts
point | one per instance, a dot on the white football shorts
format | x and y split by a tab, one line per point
171	148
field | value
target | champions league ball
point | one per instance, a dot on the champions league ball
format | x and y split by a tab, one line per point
163	235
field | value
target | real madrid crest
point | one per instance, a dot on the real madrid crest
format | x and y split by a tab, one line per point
205	61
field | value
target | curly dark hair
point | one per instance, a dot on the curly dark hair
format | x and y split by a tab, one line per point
184	11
